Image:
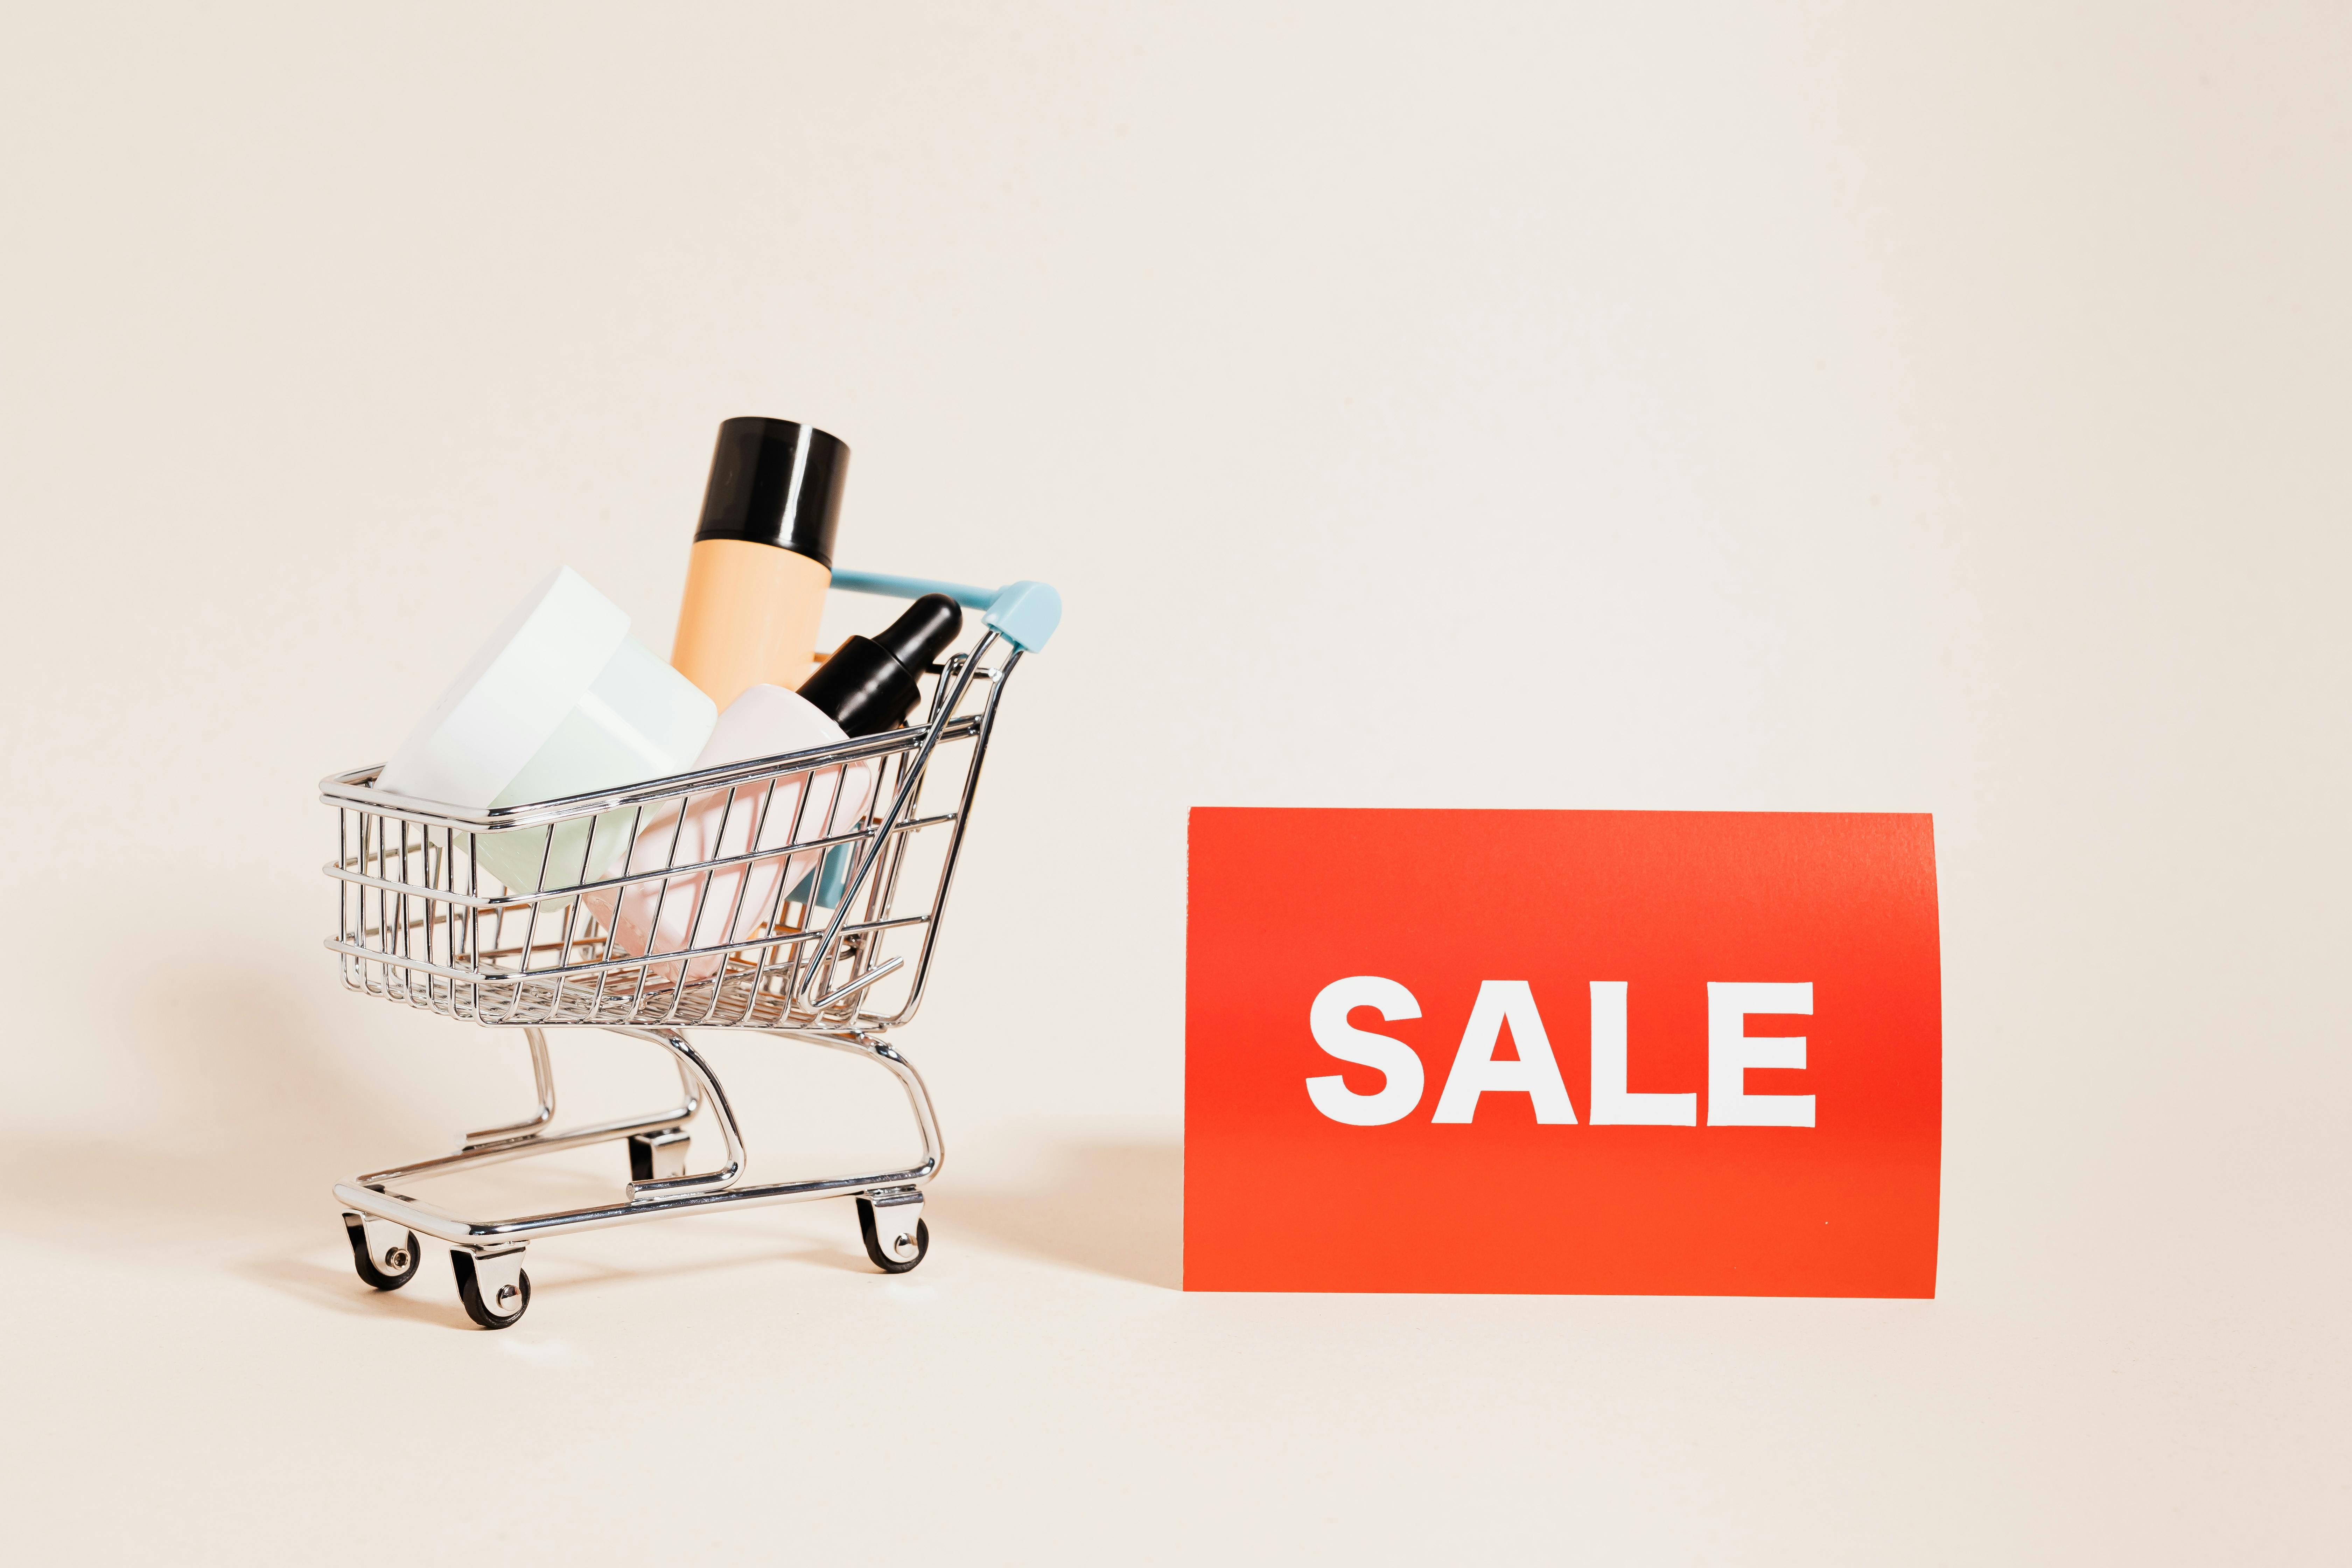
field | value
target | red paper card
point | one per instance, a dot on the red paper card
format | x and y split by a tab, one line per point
1741	1014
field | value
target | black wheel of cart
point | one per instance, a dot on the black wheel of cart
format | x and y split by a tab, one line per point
469	1291
874	1248
355	1229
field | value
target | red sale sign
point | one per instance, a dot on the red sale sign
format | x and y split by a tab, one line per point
1632	1052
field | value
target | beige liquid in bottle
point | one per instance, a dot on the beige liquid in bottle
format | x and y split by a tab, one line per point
749	618
763	558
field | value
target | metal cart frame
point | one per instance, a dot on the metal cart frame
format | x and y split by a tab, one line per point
421	922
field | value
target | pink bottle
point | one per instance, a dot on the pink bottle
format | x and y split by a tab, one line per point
737	903
867	686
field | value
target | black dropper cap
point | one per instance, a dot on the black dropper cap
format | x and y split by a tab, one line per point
868	684
775	483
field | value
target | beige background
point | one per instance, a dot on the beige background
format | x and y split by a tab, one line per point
1889	407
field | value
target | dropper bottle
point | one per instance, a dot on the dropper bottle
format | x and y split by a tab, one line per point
870	683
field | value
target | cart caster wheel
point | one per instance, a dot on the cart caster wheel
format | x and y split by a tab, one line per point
402	1259
893	1258
509	1289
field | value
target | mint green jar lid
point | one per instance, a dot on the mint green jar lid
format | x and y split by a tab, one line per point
560	668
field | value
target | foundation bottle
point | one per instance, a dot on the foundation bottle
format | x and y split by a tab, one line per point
763	558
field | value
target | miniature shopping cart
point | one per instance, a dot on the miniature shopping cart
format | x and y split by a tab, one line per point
830	922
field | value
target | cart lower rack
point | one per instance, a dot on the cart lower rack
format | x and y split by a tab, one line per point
809	912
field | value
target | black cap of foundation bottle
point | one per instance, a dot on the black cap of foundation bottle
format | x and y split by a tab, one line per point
775	483
868	684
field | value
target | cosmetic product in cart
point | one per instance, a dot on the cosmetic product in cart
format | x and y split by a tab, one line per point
738	902
870	683
558	701
762	557
867	686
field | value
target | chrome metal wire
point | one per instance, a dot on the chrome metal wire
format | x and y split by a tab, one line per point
842	944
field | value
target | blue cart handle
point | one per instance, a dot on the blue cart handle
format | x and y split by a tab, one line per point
1024	614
